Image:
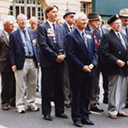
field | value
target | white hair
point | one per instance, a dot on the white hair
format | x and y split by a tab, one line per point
20	16
80	15
8	19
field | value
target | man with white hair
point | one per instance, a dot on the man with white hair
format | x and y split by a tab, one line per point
24	61
82	59
7	76
114	58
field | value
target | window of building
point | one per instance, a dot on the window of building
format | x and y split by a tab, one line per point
27	7
85	7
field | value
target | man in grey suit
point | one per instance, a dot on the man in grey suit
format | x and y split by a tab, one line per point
8	82
114	56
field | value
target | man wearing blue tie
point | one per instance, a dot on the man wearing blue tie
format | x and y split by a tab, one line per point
82	59
24	60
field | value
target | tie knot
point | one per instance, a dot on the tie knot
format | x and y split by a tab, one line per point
24	31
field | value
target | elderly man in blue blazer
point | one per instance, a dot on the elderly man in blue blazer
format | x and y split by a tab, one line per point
82	59
24	60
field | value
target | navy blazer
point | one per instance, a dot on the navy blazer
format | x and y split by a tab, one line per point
111	49
17	52
78	54
46	43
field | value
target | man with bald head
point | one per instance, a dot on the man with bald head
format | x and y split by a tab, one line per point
24	62
82	59
5	65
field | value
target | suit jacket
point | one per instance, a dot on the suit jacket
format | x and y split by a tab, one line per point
111	49
5	65
78	54
46	39
17	52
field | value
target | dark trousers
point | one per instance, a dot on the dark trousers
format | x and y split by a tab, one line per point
81	97
8	87
52	83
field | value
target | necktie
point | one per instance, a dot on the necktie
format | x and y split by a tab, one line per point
84	39
126	30
28	45
122	41
96	41
71	29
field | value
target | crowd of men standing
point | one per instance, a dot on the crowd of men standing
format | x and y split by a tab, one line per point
71	56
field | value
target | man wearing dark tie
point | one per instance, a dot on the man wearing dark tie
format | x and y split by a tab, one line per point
82	59
7	76
24	60
51	41
68	27
114	58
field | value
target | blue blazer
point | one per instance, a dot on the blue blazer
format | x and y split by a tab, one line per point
16	48
47	45
78	54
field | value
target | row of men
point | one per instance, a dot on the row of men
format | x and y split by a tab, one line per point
71	41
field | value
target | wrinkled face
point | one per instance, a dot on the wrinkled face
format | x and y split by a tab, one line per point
33	25
52	15
70	19
81	23
95	24
9	26
124	21
116	25
22	21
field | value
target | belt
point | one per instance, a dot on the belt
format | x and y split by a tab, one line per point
28	57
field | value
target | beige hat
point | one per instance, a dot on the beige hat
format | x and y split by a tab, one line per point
124	12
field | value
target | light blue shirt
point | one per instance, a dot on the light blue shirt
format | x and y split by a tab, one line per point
27	45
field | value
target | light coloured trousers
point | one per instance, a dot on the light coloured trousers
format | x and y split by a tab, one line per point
26	80
117	94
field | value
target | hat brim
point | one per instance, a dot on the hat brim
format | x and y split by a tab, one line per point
123	15
68	14
93	19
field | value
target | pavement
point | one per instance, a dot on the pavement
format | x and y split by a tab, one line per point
12	119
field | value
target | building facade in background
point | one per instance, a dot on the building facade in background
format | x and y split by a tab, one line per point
37	7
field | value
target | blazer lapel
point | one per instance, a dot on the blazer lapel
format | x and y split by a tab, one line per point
78	36
5	38
19	38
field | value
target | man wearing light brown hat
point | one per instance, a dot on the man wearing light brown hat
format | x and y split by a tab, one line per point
124	29
124	19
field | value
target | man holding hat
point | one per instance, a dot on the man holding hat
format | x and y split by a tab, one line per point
114	57
68	27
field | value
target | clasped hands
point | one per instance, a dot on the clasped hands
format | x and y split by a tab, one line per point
88	68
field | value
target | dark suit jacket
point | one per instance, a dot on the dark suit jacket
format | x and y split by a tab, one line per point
5	65
111	49
47	45
78	54
17	53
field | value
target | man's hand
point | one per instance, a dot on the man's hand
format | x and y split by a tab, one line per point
120	63
91	66
60	58
86	68
14	69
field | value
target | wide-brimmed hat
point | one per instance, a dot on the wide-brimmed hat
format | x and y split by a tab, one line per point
68	11
93	16
124	12
113	18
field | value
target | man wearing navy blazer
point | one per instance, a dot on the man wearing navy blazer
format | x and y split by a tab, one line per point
51	41
114	58
82	59
24	60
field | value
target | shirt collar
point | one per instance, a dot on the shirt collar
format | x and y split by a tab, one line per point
51	23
